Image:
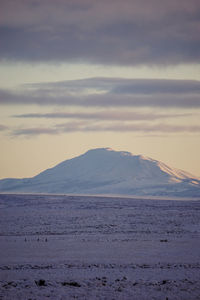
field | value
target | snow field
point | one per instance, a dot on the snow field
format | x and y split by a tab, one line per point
81	247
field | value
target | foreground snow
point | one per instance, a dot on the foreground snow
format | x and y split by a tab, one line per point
66	247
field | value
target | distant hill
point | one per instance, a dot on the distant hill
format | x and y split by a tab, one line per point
105	171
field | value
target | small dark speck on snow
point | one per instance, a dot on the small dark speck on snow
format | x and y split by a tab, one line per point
71	283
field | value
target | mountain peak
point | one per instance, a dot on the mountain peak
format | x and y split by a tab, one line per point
108	150
99	150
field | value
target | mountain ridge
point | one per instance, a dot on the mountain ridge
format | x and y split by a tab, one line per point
105	171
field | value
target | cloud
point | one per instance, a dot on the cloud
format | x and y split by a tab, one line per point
121	85
141	127
34	131
2	127
73	127
108	92
117	120
104	115
128	33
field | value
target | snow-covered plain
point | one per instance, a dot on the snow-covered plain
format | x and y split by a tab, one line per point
90	247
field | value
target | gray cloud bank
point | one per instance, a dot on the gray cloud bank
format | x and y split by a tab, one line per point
106	32
123	85
116	127
3	127
104	116
108	92
111	105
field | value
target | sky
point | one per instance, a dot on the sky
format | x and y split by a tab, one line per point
82	74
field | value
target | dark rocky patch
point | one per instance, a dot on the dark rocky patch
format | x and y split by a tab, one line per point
40	282
71	283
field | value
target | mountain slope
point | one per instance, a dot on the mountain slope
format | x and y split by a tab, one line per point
105	171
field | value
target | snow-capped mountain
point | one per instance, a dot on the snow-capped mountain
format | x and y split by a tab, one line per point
105	171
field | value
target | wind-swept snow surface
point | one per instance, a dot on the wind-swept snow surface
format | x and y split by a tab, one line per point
80	247
105	171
